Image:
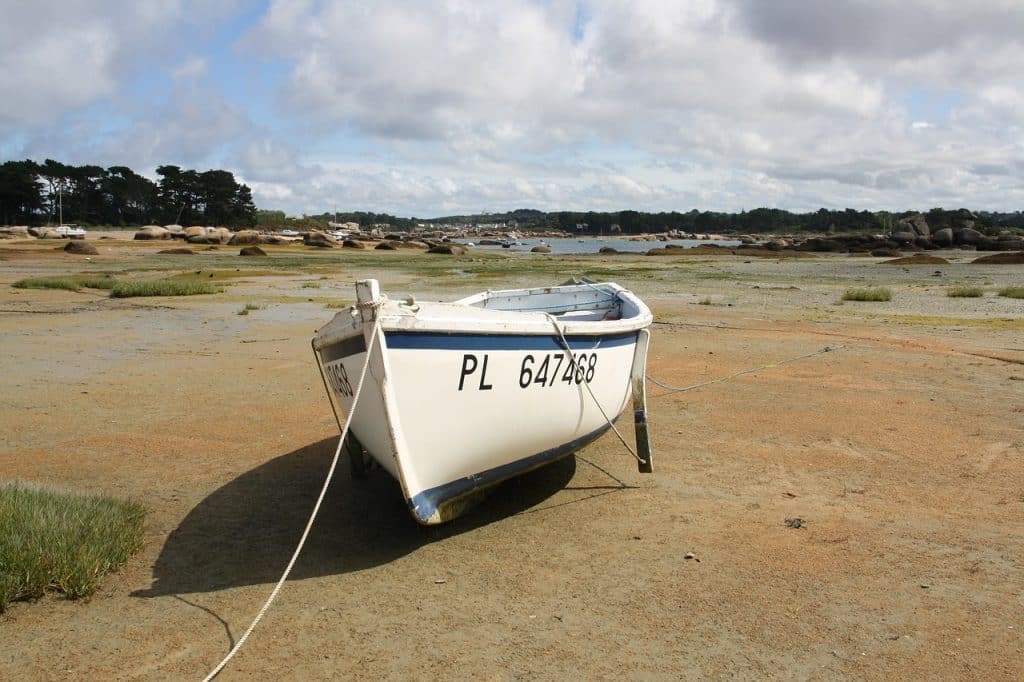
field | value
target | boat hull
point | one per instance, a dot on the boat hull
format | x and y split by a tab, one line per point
470	410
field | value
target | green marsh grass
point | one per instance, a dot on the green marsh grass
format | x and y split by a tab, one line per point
68	283
965	292
163	288
249	307
98	282
52	540
874	294
47	283
1012	292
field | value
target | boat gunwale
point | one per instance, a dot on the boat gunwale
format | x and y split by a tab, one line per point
463	317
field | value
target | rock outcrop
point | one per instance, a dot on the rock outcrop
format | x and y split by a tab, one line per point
80	248
1012	258
152	232
243	237
448	249
207	235
319	239
943	237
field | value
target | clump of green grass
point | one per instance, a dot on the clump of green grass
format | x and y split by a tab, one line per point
97	282
47	283
68	283
1012	292
162	287
965	292
875	294
64	542
248	308
704	301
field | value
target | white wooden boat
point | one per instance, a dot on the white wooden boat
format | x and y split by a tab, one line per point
459	396
70	231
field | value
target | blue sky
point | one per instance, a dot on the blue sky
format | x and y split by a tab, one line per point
432	108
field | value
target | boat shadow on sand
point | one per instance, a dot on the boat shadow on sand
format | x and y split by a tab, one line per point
245	532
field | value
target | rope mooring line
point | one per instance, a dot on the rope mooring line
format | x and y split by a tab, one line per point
572	363
673	389
316	508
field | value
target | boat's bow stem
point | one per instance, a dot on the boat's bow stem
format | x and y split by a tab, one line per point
368	298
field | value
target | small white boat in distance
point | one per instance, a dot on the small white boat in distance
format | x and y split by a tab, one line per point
70	231
460	396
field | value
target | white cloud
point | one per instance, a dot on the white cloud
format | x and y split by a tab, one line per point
194	68
62	55
459	72
43	77
423	107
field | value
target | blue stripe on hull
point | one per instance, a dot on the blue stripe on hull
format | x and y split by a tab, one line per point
423	505
487	342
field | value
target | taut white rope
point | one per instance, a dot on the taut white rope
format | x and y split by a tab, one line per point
673	389
572	363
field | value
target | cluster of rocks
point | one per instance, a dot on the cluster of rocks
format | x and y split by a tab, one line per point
391	242
24	231
250	240
196	234
670	235
912	233
14	231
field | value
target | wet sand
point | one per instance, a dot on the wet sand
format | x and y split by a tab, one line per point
902	450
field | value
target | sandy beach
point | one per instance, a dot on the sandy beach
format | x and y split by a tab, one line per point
901	449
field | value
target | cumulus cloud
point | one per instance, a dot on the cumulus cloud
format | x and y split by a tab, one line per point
483	72
61	55
48	72
877	31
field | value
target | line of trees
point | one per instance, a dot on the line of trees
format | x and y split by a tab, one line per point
760	220
41	193
274	220
44	193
